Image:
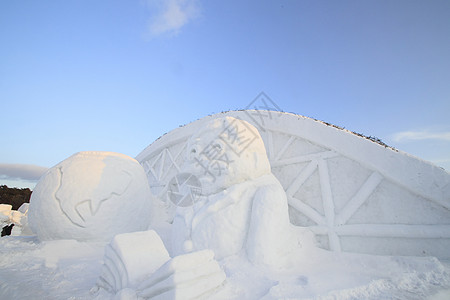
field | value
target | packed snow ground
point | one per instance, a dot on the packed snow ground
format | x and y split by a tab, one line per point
67	269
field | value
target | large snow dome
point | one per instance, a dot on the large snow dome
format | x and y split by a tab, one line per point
91	196
354	194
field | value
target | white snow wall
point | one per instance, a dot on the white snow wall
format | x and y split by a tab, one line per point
354	194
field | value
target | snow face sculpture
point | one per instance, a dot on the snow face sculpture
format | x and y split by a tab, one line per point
91	196
241	206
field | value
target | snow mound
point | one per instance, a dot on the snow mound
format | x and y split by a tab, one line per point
91	196
354	194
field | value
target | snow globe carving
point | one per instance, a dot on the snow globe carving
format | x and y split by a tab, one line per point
91	196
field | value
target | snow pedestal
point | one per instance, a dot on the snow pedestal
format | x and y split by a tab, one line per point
91	196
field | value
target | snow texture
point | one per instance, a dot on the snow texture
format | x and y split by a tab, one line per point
91	196
68	269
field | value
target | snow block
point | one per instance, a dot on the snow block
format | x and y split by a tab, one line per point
91	196
130	258
138	266
355	194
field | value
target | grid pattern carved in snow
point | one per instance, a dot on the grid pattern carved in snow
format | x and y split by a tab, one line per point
331	221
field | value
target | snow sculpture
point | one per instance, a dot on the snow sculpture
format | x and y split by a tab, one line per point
356	195
91	196
242	205
240	208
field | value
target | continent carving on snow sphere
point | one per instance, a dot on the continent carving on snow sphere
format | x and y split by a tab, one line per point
86	204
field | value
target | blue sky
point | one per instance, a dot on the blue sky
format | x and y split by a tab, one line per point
115	75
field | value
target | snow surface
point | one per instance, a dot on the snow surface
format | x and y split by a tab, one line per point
234	242
68	269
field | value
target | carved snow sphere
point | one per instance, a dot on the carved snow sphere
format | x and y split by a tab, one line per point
91	196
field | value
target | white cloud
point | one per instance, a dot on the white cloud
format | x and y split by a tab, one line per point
21	171
169	16
420	135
